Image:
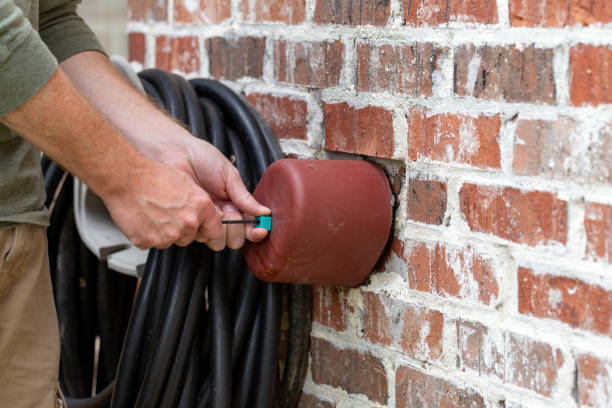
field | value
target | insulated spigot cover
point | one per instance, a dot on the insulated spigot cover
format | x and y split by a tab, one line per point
330	221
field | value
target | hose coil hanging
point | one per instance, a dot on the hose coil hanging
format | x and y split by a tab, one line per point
203	331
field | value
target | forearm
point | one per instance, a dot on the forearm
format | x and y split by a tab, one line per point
64	125
147	128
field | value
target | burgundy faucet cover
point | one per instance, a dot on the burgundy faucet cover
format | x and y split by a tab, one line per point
330	221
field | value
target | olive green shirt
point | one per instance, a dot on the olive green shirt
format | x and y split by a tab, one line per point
27	60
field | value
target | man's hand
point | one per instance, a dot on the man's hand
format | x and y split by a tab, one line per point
164	207
215	174
161	139
154	204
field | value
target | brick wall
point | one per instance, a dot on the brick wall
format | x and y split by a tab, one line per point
493	119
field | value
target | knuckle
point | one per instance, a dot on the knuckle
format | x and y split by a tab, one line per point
191	222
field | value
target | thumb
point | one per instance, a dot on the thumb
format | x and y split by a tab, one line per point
241	197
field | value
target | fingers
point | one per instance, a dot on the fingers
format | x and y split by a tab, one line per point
240	196
255	234
212	231
235	233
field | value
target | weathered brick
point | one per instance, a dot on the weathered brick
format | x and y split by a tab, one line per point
571	301
315	64
284	11
505	73
564	149
453	138
136	47
532	364
330	307
598	226
367	131
525	217
421	336
393	260
235	58
148	10
594	381
508	356
376	322
481	349
426	201
352	12
201	11
590	75
414	388
177	53
414	330
438	12
402	68
347	368
558	13
450	272
286	115
312	401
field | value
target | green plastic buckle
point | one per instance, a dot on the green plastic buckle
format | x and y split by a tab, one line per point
264	221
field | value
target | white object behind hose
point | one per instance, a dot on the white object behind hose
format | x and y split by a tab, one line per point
95	225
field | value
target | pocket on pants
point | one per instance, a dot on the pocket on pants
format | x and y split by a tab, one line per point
9	242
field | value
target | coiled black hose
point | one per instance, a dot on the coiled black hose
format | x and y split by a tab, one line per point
203	331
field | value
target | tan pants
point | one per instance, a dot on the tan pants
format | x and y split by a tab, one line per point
29	336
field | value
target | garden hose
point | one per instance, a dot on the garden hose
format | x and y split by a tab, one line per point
200	330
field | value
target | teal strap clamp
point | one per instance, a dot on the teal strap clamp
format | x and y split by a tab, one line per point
264	221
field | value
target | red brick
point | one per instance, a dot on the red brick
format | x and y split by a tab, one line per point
394	252
558	13
452	138
532	364
353	371
414	330
235	58
286	115
512	358
376	321
352	12
505	73
450	272
564	149
437	12
481	349
148	10
311	401
590	75
414	388
284	11
426	201
177	53
367	131
598	226
316	64
525	217
421	336
571	301
201	11
136	47
330	307
594	381
406	69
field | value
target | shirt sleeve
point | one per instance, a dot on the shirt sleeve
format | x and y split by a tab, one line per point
64	32
25	62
